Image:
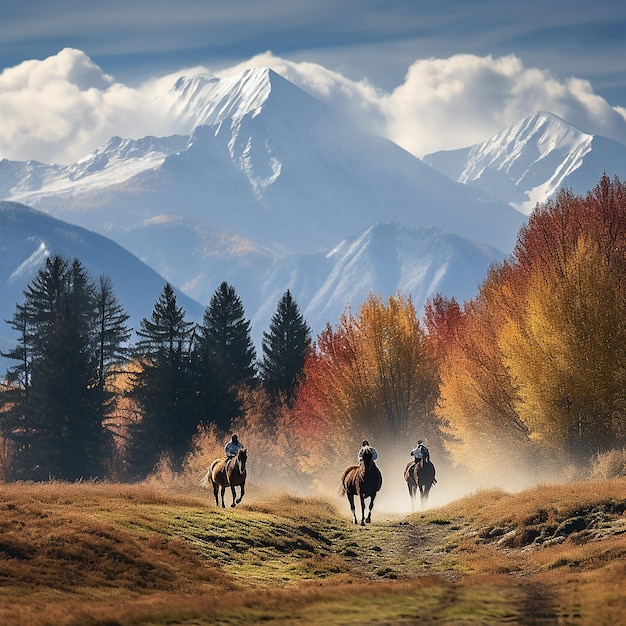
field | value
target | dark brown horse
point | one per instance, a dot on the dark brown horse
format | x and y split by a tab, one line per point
365	481
420	477
228	473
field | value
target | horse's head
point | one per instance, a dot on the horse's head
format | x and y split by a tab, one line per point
242	459
367	456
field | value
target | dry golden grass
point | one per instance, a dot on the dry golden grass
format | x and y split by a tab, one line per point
158	553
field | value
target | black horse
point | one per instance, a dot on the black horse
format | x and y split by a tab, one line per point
365	481
420	477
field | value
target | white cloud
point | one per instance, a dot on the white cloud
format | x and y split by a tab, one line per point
455	102
61	108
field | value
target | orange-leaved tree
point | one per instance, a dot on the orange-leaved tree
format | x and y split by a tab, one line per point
373	376
566	348
539	356
476	402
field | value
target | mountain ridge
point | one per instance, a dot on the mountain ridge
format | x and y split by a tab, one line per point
29	236
278	192
285	170
384	259
529	162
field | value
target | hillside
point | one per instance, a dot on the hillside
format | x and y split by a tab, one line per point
28	236
159	554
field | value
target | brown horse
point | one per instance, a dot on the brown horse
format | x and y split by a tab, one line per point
365	481
420	477
228	473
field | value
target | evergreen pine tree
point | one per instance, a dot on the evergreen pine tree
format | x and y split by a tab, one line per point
112	332
162	387
285	348
56	424
224	358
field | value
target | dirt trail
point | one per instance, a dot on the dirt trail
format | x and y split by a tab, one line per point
393	547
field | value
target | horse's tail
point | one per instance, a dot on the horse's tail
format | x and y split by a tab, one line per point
204	481
343	490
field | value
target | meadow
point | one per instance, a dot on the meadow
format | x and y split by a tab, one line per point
160	553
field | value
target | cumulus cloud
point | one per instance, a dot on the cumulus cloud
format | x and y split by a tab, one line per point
61	108
456	102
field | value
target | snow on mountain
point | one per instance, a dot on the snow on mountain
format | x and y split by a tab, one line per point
264	160
205	100
28	237
390	258
530	161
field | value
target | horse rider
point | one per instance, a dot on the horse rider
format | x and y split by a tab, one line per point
420	452
232	447
366	444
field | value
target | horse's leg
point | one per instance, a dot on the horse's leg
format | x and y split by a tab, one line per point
424	489
241	494
369	515
352	507
411	488
216	488
222	494
363	510
232	490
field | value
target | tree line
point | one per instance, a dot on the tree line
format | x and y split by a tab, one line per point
528	374
83	401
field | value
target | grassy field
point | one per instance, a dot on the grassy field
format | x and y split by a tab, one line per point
110	554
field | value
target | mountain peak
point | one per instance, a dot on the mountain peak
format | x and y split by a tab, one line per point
205	100
524	164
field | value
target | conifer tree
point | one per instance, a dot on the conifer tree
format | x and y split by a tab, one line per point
56	424
112	333
162	386
224	358
285	348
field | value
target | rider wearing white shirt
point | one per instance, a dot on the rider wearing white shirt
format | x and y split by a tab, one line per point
420	452
232	447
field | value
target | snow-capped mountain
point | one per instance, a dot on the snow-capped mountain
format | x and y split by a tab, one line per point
28	236
385	259
528	162
266	161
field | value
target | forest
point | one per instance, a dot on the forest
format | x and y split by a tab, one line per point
531	372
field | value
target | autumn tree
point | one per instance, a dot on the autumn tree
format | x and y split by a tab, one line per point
476	395
566	349
372	376
537	358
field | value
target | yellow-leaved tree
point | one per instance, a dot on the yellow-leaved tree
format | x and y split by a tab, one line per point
539	356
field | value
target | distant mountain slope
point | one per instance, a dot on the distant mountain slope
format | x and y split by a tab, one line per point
528	162
28	236
270	190
387	259
384	259
266	161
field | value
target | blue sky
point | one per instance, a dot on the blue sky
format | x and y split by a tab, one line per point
377	43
